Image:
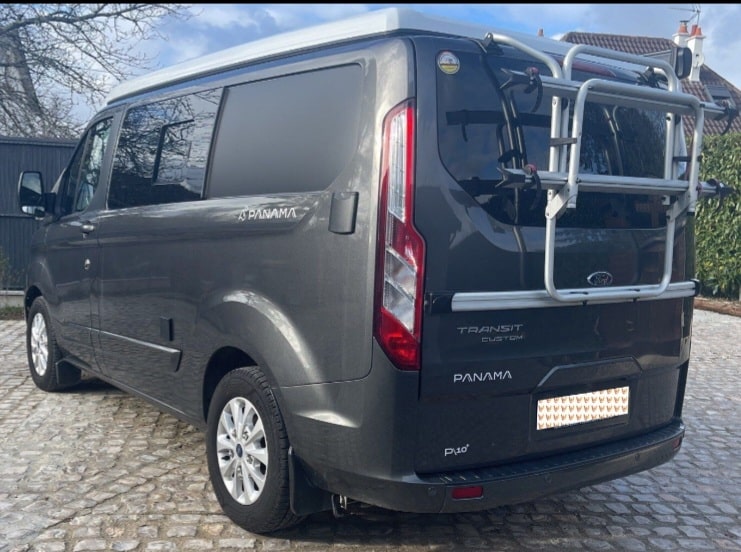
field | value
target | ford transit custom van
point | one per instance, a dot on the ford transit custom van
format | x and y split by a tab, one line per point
396	260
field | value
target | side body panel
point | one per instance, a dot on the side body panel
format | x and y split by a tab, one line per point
286	278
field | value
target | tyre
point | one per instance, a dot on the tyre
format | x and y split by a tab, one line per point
42	349
247	452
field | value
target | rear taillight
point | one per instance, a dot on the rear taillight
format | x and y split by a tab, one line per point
400	255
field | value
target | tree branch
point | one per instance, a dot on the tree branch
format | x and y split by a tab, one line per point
51	52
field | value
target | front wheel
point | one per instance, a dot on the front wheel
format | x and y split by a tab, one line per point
42	349
247	452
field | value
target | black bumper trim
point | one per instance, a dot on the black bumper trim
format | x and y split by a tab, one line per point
562	461
510	484
535	479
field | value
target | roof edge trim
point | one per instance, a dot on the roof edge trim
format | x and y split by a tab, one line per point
370	24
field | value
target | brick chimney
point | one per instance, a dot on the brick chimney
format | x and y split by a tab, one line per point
694	43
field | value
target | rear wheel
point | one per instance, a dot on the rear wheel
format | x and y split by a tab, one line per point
42	349
247	451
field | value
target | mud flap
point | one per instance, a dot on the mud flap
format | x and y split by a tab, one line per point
67	374
305	497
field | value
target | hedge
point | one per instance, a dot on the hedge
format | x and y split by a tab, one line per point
718	228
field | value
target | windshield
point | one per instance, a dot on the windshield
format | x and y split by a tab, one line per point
492	118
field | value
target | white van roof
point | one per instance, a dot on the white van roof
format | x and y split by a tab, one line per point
370	24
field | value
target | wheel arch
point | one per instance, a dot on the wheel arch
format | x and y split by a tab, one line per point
248	329
32	294
222	361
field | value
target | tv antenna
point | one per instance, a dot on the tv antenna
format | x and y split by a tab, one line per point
695	9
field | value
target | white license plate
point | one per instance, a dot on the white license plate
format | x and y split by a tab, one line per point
583	408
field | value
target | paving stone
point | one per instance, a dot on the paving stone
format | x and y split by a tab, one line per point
125	546
695	544
726	544
86	545
663	544
198	544
181	531
49	546
106	471
629	544
161	546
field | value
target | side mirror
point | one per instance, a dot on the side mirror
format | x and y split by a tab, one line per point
679	57
682	61
31	194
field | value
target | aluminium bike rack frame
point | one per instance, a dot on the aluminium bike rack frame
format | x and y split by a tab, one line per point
563	180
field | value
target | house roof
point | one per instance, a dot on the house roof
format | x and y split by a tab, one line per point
641	45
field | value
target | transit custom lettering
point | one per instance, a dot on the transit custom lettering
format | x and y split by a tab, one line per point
499	333
499	329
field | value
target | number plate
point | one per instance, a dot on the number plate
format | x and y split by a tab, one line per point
583	408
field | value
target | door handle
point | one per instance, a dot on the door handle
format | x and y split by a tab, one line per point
87	227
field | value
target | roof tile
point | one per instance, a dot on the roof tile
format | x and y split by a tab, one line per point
642	45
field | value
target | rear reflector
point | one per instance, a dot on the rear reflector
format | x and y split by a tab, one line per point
584	407
461	493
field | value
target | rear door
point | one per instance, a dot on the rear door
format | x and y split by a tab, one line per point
487	367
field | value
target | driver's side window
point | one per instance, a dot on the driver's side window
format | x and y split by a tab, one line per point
84	170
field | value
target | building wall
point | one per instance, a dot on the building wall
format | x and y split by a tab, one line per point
48	156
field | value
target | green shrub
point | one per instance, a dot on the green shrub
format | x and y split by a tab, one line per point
11	313
718	238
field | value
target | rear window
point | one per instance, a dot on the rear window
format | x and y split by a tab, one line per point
486	125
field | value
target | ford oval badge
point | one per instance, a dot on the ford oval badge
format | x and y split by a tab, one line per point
600	279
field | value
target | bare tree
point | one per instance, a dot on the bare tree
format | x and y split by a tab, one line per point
54	55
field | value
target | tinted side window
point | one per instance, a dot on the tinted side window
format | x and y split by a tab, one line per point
84	170
162	151
289	134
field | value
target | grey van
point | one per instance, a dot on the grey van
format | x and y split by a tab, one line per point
395	260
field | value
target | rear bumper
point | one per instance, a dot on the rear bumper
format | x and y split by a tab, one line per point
509	484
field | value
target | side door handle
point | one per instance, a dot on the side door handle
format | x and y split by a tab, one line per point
87	227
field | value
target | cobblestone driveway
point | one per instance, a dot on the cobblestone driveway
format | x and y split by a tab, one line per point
97	469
